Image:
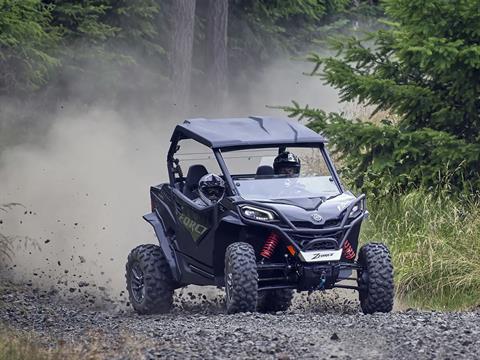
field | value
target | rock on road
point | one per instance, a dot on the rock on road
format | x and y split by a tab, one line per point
312	329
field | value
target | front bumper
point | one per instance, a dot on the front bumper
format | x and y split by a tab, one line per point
326	243
306	276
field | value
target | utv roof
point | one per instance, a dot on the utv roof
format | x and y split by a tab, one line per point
246	132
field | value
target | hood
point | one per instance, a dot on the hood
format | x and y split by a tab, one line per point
301	210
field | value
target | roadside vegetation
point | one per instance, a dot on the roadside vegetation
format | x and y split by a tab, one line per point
6	242
16	346
420	163
434	240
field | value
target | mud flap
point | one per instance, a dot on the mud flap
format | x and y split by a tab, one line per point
164	243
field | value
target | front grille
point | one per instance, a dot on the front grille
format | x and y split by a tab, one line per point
308	225
321	245
317	242
332	223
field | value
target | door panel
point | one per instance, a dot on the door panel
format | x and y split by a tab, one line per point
195	231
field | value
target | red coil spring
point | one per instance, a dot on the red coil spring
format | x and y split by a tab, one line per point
270	245
348	251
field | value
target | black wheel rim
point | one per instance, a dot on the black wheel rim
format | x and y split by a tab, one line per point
137	283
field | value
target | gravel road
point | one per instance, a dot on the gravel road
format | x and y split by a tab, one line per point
316	327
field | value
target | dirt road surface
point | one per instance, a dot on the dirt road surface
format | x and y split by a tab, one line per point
316	327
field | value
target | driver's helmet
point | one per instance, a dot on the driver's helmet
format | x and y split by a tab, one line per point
286	163
211	188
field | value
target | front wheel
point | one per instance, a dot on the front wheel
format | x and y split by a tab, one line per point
241	278
375	280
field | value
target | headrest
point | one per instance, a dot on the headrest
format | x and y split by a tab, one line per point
195	172
265	170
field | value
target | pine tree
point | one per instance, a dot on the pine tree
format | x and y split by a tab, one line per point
424	71
26	43
106	43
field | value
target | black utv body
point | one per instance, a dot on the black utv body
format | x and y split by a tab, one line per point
267	236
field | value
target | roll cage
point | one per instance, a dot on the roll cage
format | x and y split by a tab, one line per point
254	132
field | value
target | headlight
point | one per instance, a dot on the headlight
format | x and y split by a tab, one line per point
354	212
258	214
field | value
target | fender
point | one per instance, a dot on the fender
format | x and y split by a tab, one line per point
157	224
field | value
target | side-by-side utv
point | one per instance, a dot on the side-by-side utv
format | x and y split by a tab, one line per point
261	212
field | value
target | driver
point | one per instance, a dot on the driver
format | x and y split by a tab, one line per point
211	188
286	163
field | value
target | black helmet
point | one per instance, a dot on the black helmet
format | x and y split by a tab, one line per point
211	188
286	160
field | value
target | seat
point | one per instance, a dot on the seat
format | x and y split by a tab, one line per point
264	170
194	174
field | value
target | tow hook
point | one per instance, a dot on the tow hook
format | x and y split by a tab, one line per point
321	286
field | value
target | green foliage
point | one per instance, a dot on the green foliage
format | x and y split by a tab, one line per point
76	39
82	20
97	22
26	42
104	40
434	245
52	44
295	23
136	21
423	70
277	10
382	158
259	30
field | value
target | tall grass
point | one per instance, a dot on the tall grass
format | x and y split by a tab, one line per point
10	243
15	346
5	241
435	243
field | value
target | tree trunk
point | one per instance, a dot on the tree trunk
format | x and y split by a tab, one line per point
216	39
183	20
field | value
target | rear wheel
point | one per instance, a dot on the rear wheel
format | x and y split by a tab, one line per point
149	280
375	280
274	300
241	278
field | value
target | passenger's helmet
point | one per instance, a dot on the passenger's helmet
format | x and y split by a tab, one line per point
286	163
211	188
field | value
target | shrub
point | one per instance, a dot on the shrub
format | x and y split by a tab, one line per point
435	247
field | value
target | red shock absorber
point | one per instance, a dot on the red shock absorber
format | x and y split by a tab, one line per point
348	251
270	245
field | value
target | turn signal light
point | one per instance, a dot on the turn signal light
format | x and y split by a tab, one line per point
291	249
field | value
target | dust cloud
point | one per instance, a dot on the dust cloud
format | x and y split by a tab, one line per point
84	182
